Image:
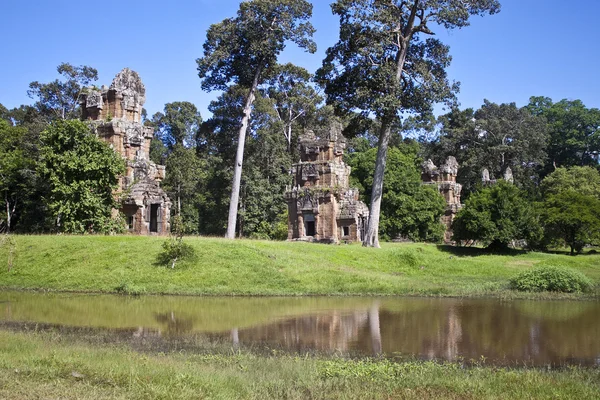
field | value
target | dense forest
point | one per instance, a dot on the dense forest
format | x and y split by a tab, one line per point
56	176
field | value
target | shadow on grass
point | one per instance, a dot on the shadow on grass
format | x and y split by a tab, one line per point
477	251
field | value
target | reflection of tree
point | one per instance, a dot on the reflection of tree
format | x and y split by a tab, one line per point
173	324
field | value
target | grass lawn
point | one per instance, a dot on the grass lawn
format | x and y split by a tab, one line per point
47	365
127	264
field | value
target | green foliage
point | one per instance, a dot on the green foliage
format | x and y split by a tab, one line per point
573	218
494	137
573	129
238	49
83	173
551	279
15	170
60	99
174	248
178	124
409	208
384	60
497	216
583	180
185	170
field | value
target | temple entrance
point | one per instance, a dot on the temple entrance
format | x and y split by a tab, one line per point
310	228
154	218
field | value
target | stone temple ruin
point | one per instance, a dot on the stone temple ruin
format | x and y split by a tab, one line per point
444	178
486	181
321	205
115	113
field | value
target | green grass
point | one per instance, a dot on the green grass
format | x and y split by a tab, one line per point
127	264
48	365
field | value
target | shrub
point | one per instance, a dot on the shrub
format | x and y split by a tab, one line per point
551	279
174	248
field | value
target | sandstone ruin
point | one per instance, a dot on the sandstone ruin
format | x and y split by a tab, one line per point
322	206
444	178
486	181
115	114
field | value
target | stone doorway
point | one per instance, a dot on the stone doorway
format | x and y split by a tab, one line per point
310	228
154	218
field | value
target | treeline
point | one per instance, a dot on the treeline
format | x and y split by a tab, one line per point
381	80
56	176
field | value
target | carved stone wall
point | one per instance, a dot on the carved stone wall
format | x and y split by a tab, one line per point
321	205
115	114
444	178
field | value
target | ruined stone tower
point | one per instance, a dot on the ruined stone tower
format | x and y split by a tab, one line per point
444	178
321	205
115	114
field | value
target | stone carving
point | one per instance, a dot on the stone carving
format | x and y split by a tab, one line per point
508	175
321	205
115	114
485	176
450	166
94	99
428	166
134	134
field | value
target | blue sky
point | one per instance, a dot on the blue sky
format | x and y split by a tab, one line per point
533	47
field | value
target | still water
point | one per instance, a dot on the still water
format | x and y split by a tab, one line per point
535	333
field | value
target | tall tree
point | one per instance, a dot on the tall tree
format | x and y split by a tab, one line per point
293	98
185	171
178	124
383	66
242	50
59	99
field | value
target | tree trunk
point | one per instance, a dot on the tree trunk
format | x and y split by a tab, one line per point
371	238
239	159
372	235
8	215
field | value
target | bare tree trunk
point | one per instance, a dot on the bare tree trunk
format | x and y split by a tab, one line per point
239	159
371	238
8	216
372	235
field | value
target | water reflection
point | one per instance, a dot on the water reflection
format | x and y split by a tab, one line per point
515	332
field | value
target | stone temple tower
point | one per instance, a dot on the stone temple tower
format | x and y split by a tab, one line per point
321	205
115	113
444	178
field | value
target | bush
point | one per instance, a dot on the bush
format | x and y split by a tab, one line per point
174	248
551	279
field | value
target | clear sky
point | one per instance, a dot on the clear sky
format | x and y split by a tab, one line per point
531	48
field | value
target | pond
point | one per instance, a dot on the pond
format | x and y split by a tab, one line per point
533	333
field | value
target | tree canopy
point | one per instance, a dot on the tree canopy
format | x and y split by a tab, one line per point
386	63
242	51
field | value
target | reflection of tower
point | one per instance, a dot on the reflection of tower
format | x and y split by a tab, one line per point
454	334
235	338
374	328
444	178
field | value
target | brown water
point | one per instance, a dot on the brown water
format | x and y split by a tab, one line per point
501	332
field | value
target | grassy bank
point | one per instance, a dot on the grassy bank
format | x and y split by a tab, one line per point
127	264
47	365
